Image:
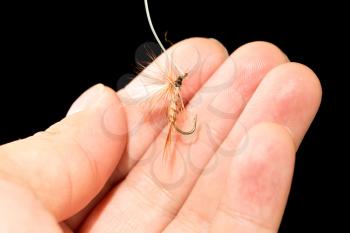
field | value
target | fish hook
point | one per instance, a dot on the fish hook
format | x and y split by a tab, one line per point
187	132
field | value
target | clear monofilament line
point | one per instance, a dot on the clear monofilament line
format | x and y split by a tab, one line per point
156	36
151	26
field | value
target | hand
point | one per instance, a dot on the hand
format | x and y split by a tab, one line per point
233	175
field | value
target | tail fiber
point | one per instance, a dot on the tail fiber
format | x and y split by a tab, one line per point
167	145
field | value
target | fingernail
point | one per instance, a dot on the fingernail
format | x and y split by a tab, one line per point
87	99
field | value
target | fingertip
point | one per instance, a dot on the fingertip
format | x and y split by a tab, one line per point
289	95
212	44
259	181
294	88
300	75
102	131
113	116
220	46
307	78
257	58
86	99
209	56
262	47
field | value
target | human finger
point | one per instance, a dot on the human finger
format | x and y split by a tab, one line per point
68	164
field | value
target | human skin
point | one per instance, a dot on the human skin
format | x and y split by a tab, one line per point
93	172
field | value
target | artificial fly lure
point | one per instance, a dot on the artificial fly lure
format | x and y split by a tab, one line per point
169	92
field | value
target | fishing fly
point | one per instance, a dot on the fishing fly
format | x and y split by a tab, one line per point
168	90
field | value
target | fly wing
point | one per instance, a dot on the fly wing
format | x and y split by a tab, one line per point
156	106
155	85
153	66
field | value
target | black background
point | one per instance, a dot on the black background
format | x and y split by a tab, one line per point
50	53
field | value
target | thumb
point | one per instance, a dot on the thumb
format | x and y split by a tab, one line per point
66	165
